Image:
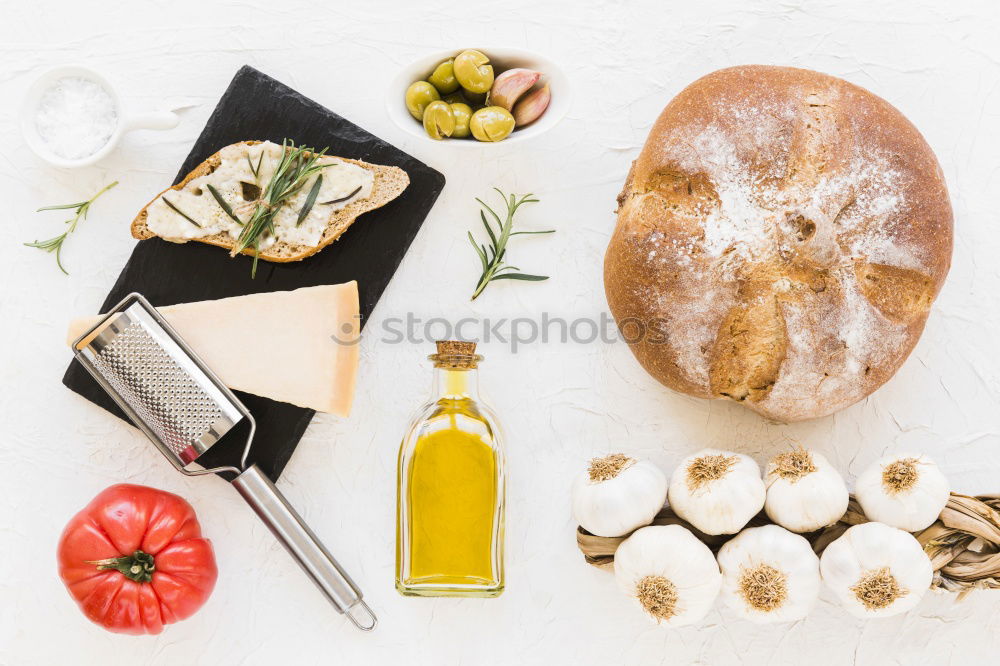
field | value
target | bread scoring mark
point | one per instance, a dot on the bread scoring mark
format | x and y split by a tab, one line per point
626	192
899	293
749	349
693	189
681	199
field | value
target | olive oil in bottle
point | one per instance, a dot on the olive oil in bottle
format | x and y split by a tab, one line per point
450	488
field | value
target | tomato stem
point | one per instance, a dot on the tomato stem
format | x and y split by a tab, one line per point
138	566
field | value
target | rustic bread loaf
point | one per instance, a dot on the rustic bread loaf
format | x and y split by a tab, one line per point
780	240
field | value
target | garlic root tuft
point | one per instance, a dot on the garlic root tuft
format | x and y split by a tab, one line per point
793	465
900	476
708	468
658	596
608	467
878	589
764	588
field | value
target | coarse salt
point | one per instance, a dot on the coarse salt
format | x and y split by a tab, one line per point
76	117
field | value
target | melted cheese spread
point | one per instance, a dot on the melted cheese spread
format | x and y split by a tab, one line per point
234	178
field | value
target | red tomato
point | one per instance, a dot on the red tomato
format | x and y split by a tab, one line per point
134	560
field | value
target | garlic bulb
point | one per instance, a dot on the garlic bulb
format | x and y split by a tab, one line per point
904	491
804	491
716	491
671	573
617	494
876	570
769	574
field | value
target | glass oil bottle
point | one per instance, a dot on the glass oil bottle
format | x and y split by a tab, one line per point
451	487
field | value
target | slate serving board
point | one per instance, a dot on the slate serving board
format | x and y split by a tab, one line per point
255	106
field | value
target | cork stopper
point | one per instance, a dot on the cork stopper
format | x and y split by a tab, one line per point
456	347
456	354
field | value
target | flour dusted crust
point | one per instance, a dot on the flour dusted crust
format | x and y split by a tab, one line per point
780	240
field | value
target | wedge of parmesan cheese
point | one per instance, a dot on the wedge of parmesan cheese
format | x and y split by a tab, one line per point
299	346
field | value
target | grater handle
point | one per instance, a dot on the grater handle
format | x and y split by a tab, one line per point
289	528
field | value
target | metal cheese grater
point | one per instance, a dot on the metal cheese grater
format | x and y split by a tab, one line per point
183	407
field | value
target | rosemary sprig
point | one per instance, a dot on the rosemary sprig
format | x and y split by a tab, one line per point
222	203
55	243
180	212
310	200
296	167
255	170
492	257
342	199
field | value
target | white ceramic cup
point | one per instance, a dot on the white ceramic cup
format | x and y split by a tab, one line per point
502	59
162	120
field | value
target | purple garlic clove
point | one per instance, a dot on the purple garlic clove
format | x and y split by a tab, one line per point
510	85
530	107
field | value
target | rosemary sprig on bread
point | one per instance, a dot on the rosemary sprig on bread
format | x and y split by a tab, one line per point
273	202
297	166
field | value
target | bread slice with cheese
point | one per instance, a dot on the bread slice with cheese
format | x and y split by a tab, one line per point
222	171
310	336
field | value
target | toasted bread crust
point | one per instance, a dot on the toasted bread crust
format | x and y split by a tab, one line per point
389	183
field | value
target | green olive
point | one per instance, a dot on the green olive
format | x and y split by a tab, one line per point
438	121
418	96
443	77
475	100
462	114
473	71
493	123
465	97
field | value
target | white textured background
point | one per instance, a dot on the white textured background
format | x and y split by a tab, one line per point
939	62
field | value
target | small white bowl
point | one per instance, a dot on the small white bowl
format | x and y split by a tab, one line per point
155	121
502	59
